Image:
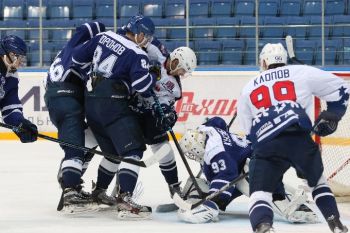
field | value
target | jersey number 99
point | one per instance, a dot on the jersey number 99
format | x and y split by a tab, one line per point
282	90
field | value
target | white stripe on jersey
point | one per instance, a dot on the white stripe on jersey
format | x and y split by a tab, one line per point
98	27
127	43
90	29
14	111
148	85
12	106
80	63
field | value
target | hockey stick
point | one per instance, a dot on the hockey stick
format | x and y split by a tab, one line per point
200	192
290	49
232	120
165	149
339	169
184	205
164	208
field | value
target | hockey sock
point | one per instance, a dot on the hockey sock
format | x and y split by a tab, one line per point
325	201
128	175
167	165
87	159
106	172
260	210
169	171
71	172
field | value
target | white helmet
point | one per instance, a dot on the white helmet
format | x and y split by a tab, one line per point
193	144
272	54
187	59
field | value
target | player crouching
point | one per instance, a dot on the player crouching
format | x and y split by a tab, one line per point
223	157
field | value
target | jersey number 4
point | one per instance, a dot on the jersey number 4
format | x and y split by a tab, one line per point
282	90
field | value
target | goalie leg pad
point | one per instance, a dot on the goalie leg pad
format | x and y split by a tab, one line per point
204	213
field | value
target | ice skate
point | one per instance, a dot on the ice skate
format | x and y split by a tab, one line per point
129	210
175	188
336	226
77	201
100	197
264	228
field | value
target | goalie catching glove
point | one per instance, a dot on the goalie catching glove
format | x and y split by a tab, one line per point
165	117
26	131
326	123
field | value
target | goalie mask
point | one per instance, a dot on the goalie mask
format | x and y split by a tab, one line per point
187	61
272	54
193	144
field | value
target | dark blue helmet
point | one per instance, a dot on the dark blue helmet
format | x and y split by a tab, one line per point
217	122
140	23
13	44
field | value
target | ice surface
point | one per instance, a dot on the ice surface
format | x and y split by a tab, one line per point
29	194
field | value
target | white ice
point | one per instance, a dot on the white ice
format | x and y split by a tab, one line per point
29	194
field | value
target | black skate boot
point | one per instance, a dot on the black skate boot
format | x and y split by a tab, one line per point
175	188
100	197
336	226
77	201
264	228
130	210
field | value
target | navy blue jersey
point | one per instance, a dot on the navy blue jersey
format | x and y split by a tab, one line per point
11	106
61	66
225	155
116	57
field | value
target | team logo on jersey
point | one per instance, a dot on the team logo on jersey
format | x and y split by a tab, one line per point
169	85
2	91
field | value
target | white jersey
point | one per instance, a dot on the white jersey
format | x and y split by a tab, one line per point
167	89
278	98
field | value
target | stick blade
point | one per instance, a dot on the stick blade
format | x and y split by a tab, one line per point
182	204
290	49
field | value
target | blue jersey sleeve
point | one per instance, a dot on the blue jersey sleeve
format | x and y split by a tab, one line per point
82	56
11	106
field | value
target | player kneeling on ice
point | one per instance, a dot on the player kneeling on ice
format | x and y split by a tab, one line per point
223	156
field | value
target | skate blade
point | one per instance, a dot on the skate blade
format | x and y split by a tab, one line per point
128	216
79	209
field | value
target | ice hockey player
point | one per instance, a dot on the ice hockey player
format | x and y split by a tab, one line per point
170	67
178	64
274	109
223	155
175	66
13	52
64	99
119	68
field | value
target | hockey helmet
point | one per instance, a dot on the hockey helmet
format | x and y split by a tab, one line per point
141	24
13	44
193	144
14	50
187	59
272	54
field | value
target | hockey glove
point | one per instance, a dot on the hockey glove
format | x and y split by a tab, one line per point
27	131
326	123
206	212
164	120
155	69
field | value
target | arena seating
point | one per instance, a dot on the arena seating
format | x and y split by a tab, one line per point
222	24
